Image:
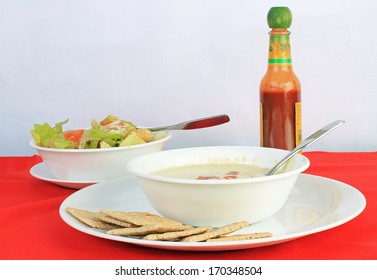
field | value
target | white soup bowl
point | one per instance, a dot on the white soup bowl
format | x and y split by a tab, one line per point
217	202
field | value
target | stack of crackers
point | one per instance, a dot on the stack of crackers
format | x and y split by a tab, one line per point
149	226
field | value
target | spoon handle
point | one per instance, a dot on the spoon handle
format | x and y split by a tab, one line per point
307	142
195	124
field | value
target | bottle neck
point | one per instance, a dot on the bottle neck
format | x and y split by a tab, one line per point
279	52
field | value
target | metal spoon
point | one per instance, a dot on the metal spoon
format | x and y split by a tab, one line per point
194	124
307	142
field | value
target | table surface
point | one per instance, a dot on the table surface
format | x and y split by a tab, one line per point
31	228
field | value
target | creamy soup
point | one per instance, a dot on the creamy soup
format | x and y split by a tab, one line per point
213	171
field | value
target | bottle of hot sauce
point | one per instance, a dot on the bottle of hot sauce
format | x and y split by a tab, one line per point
280	89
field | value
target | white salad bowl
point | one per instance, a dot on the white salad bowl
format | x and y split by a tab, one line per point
217	202
95	164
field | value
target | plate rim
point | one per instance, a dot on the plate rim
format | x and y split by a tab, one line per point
65	183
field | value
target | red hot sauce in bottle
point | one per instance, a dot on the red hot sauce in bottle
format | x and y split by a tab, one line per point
280	93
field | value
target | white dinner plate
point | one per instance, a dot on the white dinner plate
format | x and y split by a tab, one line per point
40	171
314	205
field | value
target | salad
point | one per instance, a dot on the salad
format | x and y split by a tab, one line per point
108	133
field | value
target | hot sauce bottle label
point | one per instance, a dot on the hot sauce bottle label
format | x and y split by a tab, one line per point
298	122
279	50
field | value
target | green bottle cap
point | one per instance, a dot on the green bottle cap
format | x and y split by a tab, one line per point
279	17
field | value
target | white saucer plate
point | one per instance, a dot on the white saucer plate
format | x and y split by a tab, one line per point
315	204
40	171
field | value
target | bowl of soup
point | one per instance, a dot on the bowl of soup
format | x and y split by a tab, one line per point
217	185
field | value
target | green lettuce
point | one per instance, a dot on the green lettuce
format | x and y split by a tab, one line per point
95	135
51	137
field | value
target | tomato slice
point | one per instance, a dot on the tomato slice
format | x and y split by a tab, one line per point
106	122
229	177
201	177
73	135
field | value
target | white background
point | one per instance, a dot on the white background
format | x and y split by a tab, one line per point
271	270
159	62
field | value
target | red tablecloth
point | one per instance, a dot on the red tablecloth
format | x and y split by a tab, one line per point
31	227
